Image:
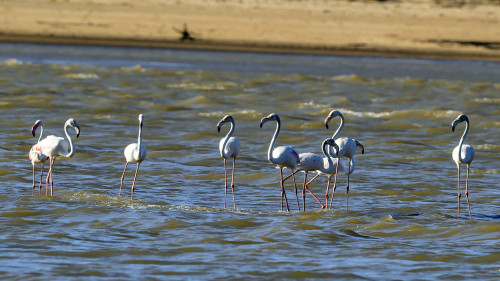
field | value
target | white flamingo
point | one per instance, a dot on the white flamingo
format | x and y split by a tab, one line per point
347	148
229	147
54	147
312	162
463	154
282	156
36	156
134	153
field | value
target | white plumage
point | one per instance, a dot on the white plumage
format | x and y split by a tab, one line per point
134	153
54	147
36	156
463	154
229	147
282	156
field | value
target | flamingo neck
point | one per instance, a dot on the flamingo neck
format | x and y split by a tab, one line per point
41	133
462	140
139	141
337	132
229	134
71	145
330	162
273	140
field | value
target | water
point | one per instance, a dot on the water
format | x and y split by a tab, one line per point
401	222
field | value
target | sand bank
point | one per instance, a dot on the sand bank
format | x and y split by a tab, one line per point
415	28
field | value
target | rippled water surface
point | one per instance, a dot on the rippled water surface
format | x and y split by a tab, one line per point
402	220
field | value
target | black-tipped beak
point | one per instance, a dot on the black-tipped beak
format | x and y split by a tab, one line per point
336	149
452	129
33	132
218	129
261	124
77	131
326	125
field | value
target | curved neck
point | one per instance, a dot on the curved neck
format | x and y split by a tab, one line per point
41	133
273	140
330	162
462	139
229	134
139	141
341	126
71	148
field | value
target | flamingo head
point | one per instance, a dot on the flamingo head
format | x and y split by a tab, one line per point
38	123
72	123
361	146
226	119
331	115
460	118
140	119
272	116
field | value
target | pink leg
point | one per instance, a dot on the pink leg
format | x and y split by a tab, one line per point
304	192
294	185
467	190
41	178
225	183
335	182
133	183
123	176
33	192
306	187
327	190
232	182
459	195
283	193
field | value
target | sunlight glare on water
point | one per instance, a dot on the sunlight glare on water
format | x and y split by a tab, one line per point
402	219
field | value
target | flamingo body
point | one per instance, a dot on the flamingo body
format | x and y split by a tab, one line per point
463	154
134	153
36	156
229	147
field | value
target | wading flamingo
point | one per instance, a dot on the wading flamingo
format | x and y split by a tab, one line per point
36	156
312	162
282	156
229	147
134	153
347	148
463	154
54	147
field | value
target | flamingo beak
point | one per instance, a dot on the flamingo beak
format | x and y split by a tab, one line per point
218	129
336	149
326	125
77	129
33	129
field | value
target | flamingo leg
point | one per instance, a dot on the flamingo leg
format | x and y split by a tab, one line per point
459	195
294	185
327	190
232	182
33	192
467	191
133	183
225	183
304	192
123	176
335	182
49	178
41	178
306	187
347	187
283	193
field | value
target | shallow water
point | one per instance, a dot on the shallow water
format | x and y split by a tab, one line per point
402	220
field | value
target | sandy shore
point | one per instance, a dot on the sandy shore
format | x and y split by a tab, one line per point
414	28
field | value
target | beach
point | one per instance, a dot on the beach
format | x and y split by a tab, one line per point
432	29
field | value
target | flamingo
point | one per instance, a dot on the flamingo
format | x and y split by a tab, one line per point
463	154
36	156
53	147
312	162
229	147
282	156
347	148
134	153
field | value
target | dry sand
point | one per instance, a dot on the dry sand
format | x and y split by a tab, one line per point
415	28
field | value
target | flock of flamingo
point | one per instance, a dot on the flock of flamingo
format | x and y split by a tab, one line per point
329	163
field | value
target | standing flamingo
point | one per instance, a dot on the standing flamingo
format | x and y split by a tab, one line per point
134	153
463	154
282	156
54	147
36	156
347	148
312	162
228	147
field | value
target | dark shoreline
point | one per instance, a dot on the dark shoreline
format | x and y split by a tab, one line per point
356	50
